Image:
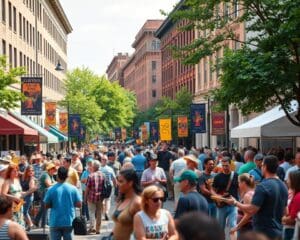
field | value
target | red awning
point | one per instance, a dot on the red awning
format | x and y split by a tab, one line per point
11	126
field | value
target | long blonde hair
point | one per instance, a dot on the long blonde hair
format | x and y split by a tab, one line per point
147	193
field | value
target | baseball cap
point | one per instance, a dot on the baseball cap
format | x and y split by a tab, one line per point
258	157
187	175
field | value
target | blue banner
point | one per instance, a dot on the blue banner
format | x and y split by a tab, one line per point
198	122
154	131
74	125
135	133
82	132
118	133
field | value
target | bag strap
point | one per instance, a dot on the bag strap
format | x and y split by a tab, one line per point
230	181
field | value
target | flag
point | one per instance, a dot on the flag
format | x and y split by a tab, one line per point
198	124
63	122
124	134
154	131
31	87
165	129
182	126
50	118
74	125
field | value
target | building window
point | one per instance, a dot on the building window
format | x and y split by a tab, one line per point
20	59
20	24
153	65
24	29
155	45
3	47
15	19
236	8
153	78
10	55
15	58
3	10
226	11
153	93
9	15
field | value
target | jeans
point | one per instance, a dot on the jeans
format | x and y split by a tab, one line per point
212	209
227	216
85	209
56	233
288	233
28	202
42	214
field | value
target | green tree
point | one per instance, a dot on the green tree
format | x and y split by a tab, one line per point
266	70
80	84
9	98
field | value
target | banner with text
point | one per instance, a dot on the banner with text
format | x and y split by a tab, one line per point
31	87
50	118
124	134
154	131
63	122
135	133
182	125
165	129
218	123
74	123
198	118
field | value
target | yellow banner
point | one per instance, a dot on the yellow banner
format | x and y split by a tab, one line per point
63	122
50	119
144	132
165	129
124	135
182	124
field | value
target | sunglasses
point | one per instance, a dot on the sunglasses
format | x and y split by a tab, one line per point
157	199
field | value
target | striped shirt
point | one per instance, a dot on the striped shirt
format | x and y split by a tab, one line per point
4	231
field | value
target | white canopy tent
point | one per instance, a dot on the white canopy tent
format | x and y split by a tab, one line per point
272	123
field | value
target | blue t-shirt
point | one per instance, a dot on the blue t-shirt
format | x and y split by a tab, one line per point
257	174
84	175
271	197
193	201
62	197
139	162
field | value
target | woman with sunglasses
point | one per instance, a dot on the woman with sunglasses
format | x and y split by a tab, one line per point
128	206
153	222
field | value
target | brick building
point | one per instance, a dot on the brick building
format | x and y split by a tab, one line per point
142	72
114	70
175	75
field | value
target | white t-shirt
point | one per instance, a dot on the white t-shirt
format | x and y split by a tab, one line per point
149	174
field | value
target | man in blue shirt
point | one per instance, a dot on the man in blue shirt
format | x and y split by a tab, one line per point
139	162
62	199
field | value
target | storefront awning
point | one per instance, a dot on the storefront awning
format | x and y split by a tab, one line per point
45	136
12	126
272	123
61	137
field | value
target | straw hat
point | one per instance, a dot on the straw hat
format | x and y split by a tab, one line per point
50	166
191	157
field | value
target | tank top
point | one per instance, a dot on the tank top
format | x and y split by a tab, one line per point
4	231
155	229
123	223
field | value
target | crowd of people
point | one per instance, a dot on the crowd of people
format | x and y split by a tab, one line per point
217	194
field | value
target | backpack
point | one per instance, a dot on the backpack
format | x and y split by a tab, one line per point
106	188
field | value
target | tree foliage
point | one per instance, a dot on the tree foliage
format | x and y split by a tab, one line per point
266	70
101	104
9	98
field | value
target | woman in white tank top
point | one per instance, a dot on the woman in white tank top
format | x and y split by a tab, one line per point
153	222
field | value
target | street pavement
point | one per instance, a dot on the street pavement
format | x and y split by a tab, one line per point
107	226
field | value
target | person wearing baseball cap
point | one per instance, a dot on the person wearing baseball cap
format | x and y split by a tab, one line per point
191	200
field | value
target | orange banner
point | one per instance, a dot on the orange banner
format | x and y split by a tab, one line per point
123	133
63	122
50	119
182	124
144	132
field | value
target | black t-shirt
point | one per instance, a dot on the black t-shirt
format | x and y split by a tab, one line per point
271	197
203	180
221	181
193	201
164	159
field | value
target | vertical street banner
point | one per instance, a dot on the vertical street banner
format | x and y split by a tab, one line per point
118	133
144	132
165	129
74	125
182	126
124	134
198	118
218	123
50	110
154	131
82	132
135	133
31	87
63	122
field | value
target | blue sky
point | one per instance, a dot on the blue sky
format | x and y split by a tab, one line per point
102	28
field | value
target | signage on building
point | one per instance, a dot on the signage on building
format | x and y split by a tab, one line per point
165	129
182	126
50	110
31	87
218	123
198	120
74	123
